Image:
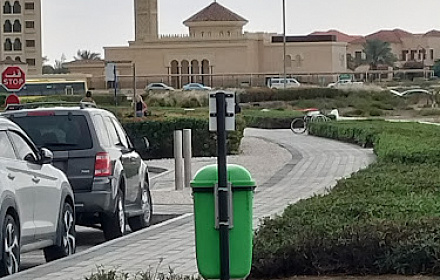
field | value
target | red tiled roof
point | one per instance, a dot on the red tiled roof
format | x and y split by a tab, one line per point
340	37
390	36
215	12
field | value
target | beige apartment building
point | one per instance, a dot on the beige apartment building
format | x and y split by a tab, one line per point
216	51
21	34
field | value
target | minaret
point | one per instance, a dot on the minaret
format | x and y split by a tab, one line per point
145	15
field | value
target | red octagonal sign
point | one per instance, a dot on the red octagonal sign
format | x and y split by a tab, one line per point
13	78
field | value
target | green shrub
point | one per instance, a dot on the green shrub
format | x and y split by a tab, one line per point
160	136
383	219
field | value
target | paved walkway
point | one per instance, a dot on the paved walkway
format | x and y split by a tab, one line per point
286	168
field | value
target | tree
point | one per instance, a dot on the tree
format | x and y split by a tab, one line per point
87	55
59	66
378	53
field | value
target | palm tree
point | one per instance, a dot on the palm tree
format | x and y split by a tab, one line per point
87	55
378	52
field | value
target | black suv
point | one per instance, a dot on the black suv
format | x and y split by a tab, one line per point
109	179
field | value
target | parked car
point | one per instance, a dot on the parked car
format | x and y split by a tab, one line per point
348	84
195	86
36	201
109	178
158	86
278	83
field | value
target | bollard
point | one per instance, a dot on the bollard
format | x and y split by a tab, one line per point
178	160
187	154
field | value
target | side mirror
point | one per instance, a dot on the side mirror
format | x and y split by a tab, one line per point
146	143
46	156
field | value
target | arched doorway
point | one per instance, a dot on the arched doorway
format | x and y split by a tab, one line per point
175	74
205	72
195	70
185	72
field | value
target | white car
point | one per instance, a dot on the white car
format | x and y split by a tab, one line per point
345	84
281	83
158	86
36	201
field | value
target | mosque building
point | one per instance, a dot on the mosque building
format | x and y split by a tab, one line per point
216	51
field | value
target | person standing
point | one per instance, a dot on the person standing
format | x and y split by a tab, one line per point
140	105
88	98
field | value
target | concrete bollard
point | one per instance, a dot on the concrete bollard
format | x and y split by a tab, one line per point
178	160
187	155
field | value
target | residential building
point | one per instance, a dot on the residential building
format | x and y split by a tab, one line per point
406	46
21	34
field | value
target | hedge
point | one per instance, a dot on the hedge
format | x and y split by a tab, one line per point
160	136
383	219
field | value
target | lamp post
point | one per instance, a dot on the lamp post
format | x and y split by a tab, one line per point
284	42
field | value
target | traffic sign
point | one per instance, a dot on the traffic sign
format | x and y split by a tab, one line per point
13	78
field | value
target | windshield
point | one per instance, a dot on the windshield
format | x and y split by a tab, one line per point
57	133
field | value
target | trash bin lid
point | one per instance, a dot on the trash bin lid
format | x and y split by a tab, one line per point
238	176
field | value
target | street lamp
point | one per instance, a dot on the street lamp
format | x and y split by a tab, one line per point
284	42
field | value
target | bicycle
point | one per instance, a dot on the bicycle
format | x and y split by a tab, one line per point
300	125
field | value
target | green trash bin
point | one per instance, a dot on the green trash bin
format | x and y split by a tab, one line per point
241	231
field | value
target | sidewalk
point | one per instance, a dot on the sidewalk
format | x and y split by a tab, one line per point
286	167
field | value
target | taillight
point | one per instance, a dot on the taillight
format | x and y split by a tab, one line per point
40	113
102	164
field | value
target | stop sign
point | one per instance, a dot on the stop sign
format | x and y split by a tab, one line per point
13	78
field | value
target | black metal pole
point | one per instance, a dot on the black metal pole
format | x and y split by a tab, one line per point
116	85
223	194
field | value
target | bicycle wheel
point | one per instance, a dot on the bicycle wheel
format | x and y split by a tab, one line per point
298	126
319	118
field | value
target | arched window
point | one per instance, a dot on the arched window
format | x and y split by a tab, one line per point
17	7
7	27
17	26
229	33
221	33
298	60
7	9
202	33
288	61
8	45
18	59
17	45
209	34
8	58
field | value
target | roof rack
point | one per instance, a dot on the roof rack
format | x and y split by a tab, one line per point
82	105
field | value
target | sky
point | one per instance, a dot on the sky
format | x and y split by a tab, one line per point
69	26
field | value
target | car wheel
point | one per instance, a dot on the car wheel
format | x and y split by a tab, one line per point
66	226
113	225
10	262
139	222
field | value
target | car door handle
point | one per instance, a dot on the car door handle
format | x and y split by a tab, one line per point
10	176
36	179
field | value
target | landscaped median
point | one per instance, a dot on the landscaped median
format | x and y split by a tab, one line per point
383	219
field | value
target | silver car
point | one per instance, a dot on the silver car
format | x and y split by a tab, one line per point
36	201
158	87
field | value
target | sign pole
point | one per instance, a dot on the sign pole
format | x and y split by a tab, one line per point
223	191
116	88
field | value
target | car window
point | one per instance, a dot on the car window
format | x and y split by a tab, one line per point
6	151
22	148
57	132
113	135
101	131
121	133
